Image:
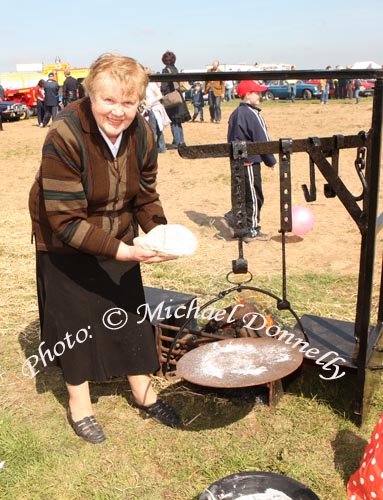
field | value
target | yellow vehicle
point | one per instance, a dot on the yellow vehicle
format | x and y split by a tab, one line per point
58	69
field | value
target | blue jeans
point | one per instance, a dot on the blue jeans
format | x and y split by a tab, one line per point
161	146
228	94
214	106
198	110
325	93
356	95
292	89
158	134
178	133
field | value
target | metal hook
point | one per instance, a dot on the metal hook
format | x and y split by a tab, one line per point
360	163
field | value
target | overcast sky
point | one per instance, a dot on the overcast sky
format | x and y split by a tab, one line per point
310	34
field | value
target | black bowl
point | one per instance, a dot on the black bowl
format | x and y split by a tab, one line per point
248	483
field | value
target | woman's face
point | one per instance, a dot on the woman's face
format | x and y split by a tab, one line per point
112	108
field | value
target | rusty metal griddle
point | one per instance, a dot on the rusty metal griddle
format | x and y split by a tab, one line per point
239	362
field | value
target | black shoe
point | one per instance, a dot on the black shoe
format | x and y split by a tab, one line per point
229	218
161	412
88	428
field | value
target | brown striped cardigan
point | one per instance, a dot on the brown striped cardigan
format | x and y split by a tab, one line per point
82	197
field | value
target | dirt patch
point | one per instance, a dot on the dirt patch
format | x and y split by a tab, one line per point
196	193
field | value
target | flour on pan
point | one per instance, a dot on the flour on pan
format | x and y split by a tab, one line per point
239	359
270	494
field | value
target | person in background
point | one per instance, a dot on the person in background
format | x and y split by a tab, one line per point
215	89
39	95
81	90
292	85
349	85
70	88
95	186
246	124
51	94
178	114
197	101
357	85
325	88
229	87
1	99
157	115
341	85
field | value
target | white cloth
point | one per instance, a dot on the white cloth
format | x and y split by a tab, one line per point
161	116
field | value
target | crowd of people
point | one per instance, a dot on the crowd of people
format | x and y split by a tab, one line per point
342	88
48	99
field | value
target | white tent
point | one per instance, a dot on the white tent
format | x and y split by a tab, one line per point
366	65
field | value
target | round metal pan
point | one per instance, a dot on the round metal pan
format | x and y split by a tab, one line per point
235	486
239	362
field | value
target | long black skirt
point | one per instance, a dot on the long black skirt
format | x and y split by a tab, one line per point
88	316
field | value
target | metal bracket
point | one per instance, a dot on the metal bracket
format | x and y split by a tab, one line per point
286	149
238	202
329	191
238	188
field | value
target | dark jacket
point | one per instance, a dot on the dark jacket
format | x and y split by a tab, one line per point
51	89
246	124
85	199
197	98
180	113
70	90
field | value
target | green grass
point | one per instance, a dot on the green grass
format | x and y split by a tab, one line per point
308	436
304	438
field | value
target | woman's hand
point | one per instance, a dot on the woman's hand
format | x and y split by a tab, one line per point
128	252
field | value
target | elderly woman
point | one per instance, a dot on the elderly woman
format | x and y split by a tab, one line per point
177	114
96	184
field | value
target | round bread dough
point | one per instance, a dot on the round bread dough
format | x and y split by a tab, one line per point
172	240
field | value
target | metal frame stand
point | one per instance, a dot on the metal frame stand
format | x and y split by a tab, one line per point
366	340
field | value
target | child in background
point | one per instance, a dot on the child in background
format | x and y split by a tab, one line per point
246	124
198	102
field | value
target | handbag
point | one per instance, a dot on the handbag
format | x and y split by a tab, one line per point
172	99
185	86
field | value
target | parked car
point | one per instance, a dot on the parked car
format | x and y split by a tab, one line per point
11	110
367	87
278	89
25	95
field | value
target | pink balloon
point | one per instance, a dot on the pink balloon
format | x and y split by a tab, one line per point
302	220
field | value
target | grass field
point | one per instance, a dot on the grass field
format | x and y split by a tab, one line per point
310	436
